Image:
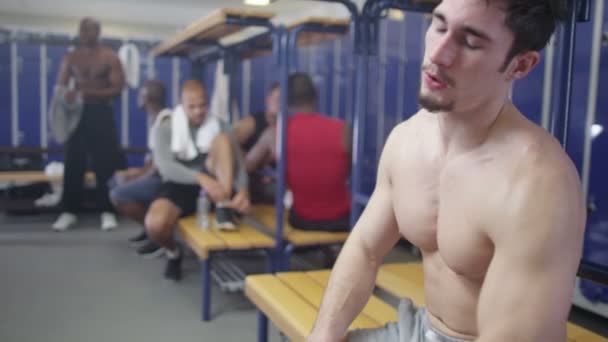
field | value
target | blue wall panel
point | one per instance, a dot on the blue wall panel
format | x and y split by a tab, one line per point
527	93
163	69
5	95
263	74
580	85
29	94
596	237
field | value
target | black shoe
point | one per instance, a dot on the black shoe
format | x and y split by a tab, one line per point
224	218
139	238
150	250
173	270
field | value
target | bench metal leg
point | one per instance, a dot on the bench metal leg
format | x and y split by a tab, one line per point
287	257
206	287
262	327
270	261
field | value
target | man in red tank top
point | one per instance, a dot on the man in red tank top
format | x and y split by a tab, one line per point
318	161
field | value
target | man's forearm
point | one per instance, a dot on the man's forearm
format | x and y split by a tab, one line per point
350	286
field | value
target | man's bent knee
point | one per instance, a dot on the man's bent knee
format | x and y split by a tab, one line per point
160	219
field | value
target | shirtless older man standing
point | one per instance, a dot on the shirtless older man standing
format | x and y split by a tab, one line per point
491	199
99	79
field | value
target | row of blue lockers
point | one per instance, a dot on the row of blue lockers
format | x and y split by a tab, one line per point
393	85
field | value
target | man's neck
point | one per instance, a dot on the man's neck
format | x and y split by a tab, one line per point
302	109
89	47
463	131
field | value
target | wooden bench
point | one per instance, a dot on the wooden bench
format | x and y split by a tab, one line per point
407	280
210	28
205	243
35	176
266	215
291	301
296	238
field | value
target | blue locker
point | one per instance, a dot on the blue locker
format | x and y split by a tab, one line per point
259	83
236	92
164	71
138	118
416	27
29	94
185	70
137	121
209	79
527	93
596	237
5	95
347	79
580	85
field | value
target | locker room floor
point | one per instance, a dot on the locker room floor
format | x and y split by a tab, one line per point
88	285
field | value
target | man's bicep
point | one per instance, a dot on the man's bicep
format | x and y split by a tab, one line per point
377	227
527	291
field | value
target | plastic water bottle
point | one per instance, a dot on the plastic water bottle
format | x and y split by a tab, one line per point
202	210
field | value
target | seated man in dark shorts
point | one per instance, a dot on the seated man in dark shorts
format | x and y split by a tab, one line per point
202	156
136	188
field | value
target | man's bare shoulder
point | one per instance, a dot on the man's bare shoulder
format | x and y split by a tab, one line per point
412	128
541	172
407	141
541	155
107	53
537	182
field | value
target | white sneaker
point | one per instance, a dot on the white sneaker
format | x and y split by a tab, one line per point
64	221
108	221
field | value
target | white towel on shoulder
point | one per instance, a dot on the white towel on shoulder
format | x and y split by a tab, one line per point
181	141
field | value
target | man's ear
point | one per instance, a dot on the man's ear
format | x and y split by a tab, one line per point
521	65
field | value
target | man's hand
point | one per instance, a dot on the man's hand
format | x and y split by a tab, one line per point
240	202
70	96
214	189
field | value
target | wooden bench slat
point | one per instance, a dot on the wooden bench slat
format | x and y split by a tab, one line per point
327	21
290	312
580	334
201	241
411	271
403	280
380	311
36	176
255	238
232	239
211	27
265	214
312	292
204	241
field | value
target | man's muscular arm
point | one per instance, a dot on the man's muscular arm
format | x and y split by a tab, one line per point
537	236
64	70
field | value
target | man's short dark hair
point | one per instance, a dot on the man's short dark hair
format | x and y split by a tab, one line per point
273	86
532	23
156	92
301	90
